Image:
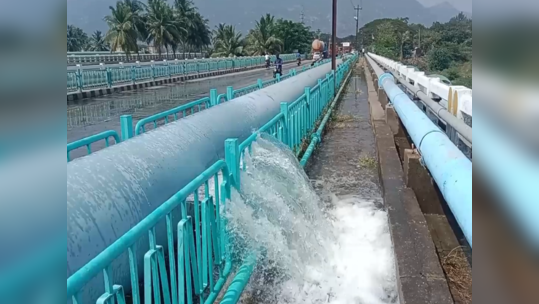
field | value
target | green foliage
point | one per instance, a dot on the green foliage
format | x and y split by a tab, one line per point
263	38
439	59
294	36
77	39
443	48
133	24
227	42
98	43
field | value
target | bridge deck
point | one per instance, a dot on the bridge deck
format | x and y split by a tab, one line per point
359	157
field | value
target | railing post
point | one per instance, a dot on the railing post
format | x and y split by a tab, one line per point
229	93
126	123
133	74
284	111
79	77
213	97
153	69
260	84
308	117
232	158
278	78
109	77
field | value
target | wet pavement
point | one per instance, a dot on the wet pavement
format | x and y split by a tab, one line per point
345	164
95	115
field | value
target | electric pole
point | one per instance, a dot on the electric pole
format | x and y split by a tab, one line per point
357	8
334	36
302	16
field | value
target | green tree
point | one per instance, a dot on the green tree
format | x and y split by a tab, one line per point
98	42
199	34
294	36
161	25
227	42
262	39
77	39
439	59
138	20
121	34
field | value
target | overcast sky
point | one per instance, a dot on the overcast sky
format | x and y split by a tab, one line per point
463	5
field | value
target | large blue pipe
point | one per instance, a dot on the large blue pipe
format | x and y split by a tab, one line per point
513	173
110	191
451	170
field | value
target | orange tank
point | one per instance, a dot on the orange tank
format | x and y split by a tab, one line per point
318	46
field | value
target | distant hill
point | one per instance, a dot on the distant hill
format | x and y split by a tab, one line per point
443	11
243	13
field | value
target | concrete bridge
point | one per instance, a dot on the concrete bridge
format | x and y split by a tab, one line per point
149	213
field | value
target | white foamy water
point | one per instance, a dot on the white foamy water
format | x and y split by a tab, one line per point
310	253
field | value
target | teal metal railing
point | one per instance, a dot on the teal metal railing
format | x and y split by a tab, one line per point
88	141
173	114
197	248
179	112
83	79
198	245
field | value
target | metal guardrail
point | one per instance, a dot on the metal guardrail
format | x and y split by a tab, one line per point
458	128
88	141
74	58
458	98
106	77
198	243
449	167
171	115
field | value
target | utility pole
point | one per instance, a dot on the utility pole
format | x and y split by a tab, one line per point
357	8
334	37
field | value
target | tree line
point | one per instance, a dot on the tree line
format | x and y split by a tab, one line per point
443	48
134	26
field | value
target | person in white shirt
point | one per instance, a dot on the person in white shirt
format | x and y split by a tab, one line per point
267	60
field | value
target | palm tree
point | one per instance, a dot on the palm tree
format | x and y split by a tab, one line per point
184	11
228	42
98	42
161	25
76	39
138	19
121	34
262	38
198	35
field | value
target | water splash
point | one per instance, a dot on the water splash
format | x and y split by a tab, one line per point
310	253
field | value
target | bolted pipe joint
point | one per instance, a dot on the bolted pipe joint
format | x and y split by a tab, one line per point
383	77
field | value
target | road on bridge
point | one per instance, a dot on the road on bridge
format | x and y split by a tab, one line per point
95	115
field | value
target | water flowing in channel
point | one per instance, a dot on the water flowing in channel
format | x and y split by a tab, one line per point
308	252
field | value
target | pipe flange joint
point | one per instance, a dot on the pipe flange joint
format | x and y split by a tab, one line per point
384	77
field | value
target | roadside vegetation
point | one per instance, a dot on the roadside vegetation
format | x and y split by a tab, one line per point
176	26
443	48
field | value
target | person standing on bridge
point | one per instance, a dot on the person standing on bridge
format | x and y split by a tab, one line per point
267	61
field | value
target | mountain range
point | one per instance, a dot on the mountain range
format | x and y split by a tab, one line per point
88	15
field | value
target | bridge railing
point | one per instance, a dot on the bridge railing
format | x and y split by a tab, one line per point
184	110
88	141
450	168
103	77
197	245
450	107
458	98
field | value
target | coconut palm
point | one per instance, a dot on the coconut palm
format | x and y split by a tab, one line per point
228	42
161	25
98	42
121	34
262	39
198	32
138	19
76	39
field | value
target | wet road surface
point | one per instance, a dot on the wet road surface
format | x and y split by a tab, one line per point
346	164
95	115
